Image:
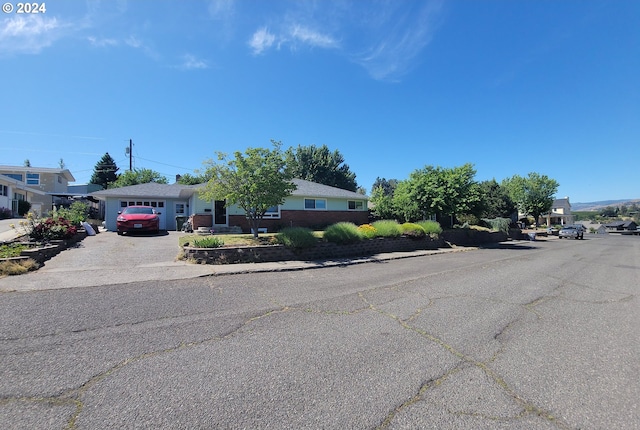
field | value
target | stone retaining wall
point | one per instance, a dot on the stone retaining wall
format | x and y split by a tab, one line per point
324	250
48	251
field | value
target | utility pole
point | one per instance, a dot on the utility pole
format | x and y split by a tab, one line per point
130	155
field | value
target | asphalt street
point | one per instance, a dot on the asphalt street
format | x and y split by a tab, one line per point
525	335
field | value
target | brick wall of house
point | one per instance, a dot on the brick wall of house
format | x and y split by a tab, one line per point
309	219
201	220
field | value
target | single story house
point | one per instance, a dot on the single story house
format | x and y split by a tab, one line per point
310	205
13	190
593	227
621	226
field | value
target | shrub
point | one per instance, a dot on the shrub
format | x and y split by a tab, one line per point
430	227
23	207
498	224
5	213
387	228
342	233
368	231
51	229
76	213
8	268
412	230
11	250
208	242
296	237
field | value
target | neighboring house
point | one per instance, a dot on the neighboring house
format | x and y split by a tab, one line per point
310	205
169	201
621	226
593	227
48	180
560	213
13	190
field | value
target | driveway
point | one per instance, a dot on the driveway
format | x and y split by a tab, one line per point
109	259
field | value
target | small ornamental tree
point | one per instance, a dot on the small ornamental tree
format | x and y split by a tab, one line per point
255	181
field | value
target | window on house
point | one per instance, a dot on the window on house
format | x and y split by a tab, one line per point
33	178
4	190
272	212
315	204
355	205
179	208
16	176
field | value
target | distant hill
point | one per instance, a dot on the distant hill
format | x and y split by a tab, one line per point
595	206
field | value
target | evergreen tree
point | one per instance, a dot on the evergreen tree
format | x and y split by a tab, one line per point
105	172
320	165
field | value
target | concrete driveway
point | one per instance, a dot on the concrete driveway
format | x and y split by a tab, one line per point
109	259
106	259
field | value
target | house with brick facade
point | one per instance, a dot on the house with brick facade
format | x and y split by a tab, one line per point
309	205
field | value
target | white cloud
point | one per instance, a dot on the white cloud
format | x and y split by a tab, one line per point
190	62
133	42
312	38
403	36
103	42
29	34
261	40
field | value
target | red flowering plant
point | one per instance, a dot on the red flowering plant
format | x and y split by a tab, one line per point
52	229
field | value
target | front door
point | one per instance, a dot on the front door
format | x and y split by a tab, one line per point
219	213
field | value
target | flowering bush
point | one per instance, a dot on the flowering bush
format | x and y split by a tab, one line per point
44	230
368	231
53	228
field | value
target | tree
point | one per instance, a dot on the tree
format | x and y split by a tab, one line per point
320	165
496	202
104	173
189	179
533	195
388	187
27	163
445	192
61	164
256	181
138	176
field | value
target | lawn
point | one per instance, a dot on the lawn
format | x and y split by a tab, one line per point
240	239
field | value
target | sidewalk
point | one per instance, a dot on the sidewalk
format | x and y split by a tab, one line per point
56	274
7	234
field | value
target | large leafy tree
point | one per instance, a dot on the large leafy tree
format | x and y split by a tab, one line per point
189	179
497	202
138	176
382	198
445	192
533	195
319	164
104	173
255	181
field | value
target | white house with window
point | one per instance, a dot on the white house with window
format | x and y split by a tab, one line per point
12	191
310	205
49	181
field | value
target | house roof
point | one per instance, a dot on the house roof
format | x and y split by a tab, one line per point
64	172
175	191
312	189
624	224
148	190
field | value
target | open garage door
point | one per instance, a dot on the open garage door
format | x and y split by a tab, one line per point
158	205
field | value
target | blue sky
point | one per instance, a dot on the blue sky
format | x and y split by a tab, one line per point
511	86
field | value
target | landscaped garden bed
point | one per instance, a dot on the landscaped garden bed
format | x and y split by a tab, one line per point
337	241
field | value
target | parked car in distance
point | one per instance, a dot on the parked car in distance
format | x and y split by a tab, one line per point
575	231
138	219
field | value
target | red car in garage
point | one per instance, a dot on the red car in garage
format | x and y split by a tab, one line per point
138	219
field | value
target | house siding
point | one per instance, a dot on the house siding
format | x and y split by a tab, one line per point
301	218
